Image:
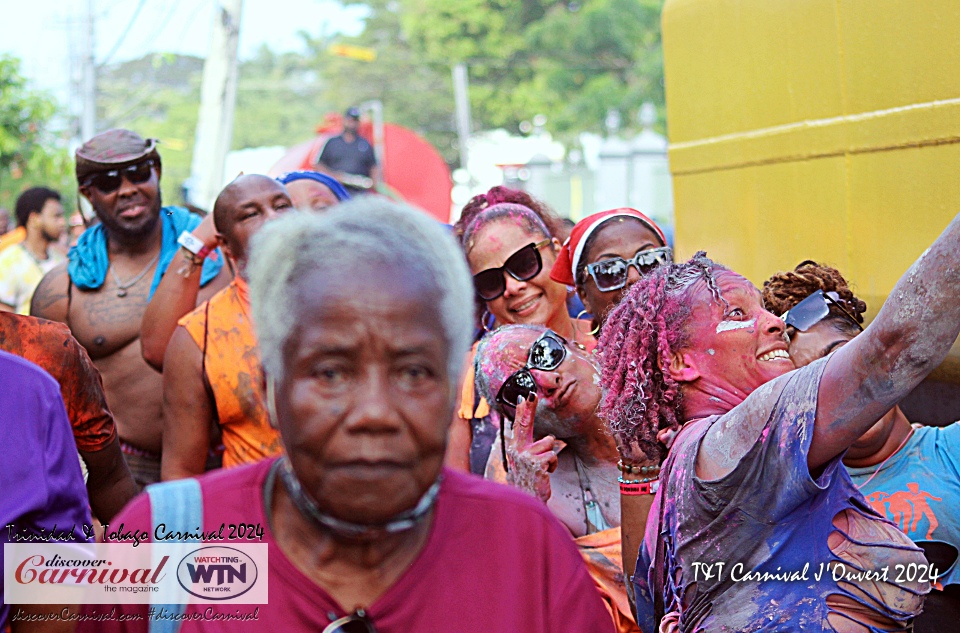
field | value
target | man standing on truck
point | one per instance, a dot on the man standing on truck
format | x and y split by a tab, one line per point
350	158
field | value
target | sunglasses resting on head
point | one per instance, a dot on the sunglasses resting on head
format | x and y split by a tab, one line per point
814	309
110	181
523	265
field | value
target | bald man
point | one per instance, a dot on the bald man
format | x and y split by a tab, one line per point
211	369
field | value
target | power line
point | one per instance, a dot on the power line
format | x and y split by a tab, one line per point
123	35
163	24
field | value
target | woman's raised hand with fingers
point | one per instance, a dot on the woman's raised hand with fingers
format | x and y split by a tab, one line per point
530	462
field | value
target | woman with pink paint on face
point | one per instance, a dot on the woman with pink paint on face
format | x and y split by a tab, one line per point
510	248
756	525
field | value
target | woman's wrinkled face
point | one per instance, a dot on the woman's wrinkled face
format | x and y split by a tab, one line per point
737	348
310	195
366	398
566	396
617	237
535	301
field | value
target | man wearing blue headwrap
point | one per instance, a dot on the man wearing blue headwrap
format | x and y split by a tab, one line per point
102	292
313	191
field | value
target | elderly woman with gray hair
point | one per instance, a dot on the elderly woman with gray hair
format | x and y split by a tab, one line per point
363	316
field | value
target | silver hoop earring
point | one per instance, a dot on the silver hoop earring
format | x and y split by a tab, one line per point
483	320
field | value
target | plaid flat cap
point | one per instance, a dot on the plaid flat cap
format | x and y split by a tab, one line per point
112	149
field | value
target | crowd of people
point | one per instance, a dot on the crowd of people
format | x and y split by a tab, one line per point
509	424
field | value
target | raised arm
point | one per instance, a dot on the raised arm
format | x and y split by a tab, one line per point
187	410
177	294
910	337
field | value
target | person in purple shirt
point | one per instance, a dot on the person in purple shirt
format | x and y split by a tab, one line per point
43	492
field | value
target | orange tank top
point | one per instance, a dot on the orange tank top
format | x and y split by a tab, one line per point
223	331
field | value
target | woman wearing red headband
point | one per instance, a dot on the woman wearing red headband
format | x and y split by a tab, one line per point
605	254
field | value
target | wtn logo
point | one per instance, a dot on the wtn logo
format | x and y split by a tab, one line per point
217	573
225	573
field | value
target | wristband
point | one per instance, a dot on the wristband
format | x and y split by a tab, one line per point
634	489
193	244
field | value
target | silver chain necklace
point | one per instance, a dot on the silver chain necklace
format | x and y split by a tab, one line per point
122	286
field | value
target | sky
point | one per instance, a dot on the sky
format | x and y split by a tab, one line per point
46	34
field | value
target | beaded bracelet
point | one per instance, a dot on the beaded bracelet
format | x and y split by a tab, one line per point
638	470
636	481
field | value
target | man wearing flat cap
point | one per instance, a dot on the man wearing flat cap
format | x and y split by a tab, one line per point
349	157
102	291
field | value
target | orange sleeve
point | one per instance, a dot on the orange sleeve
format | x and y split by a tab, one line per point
82	390
466	406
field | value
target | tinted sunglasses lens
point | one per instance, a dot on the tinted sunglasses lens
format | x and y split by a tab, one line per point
108	181
489	284
610	274
139	173
524	264
547	353
653	258
517	387
808	312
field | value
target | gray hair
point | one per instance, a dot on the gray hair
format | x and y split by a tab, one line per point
488	347
366	229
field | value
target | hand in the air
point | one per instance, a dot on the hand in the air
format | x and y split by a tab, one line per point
530	462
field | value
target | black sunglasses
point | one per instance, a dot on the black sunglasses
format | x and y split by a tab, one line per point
523	265
546	354
814	309
110	181
611	274
358	622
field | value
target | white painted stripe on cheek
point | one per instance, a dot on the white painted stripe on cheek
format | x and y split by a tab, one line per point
726	326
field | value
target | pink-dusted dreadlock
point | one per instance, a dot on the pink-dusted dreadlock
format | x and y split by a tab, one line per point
639	337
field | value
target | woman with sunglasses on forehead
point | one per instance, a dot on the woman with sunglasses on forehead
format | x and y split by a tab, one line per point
910	475
756	525
557	448
605	254
510	249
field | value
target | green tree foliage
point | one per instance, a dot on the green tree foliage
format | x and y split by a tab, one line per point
572	61
30	153
279	102
414	92
280	99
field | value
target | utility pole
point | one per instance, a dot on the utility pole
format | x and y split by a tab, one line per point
461	99
88	116
218	95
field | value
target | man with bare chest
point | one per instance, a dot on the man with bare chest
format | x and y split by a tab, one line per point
102	291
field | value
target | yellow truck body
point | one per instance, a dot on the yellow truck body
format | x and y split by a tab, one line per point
814	129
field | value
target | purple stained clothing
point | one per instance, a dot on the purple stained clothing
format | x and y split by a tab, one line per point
770	516
43	492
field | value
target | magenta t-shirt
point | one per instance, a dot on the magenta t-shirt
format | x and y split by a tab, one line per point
496	561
